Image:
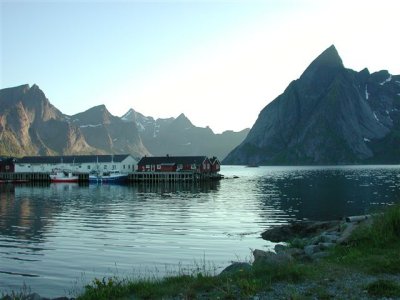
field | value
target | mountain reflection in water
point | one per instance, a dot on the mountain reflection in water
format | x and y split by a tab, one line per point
55	236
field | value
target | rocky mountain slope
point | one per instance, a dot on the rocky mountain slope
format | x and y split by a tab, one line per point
109	133
31	125
330	115
178	136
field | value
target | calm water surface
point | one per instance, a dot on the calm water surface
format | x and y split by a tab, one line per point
56	238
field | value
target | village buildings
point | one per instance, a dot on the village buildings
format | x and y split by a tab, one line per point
123	163
159	168
197	164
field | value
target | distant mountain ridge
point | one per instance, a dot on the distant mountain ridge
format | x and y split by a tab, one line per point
180	137
31	125
330	115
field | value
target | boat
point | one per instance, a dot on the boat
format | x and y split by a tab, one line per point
63	176
107	177
252	166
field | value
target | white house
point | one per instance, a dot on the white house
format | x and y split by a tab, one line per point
124	163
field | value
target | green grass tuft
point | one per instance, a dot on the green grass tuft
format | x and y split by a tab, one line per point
384	288
374	248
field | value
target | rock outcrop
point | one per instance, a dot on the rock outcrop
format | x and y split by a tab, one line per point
330	115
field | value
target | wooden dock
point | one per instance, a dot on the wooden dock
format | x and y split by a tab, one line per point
34	177
133	177
171	176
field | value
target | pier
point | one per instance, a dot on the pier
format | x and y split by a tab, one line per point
34	177
171	176
133	177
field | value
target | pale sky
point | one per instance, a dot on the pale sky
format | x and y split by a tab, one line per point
218	62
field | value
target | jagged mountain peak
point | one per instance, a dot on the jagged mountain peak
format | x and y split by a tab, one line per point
183	121
129	112
325	66
331	115
96	115
330	57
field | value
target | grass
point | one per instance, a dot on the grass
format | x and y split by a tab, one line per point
383	288
374	249
241	284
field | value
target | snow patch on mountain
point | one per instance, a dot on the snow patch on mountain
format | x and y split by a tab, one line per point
90	125
387	80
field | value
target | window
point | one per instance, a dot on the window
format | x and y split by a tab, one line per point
114	167
88	167
105	167
123	166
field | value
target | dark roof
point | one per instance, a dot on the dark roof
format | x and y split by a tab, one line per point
184	160
214	160
6	160
70	159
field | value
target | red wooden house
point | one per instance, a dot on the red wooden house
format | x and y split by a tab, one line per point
198	164
215	165
7	164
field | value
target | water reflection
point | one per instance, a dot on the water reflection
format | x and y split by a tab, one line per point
20	218
51	234
321	193
177	186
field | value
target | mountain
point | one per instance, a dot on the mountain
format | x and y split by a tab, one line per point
178	136
109	133
330	115
31	125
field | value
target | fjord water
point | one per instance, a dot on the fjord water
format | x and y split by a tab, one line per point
56	238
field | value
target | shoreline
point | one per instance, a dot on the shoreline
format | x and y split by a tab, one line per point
310	260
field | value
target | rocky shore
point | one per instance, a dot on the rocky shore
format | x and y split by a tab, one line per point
308	242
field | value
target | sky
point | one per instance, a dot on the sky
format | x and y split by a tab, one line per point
218	62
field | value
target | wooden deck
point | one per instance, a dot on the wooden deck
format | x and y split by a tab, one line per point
34	177
133	177
171	176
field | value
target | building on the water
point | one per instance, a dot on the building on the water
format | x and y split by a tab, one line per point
176	168
196	164
123	163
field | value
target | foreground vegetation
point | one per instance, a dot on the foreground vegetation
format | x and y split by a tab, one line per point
373	249
372	252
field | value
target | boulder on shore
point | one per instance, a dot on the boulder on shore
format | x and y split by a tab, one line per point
302	229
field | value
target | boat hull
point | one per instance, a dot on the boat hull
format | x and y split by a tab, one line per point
108	179
63	177
64	180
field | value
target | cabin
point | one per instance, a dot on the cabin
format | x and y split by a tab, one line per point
194	164
215	165
123	163
7	164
